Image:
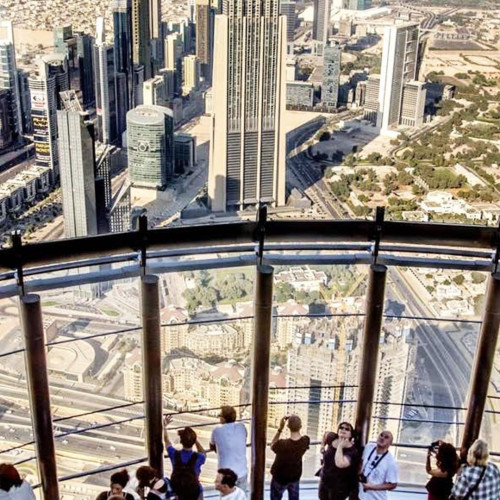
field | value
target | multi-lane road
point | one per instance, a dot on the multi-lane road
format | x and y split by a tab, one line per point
445	361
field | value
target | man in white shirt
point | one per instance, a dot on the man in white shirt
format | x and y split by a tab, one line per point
225	482
229	441
379	472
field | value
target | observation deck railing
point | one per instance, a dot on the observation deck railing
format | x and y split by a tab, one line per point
379	244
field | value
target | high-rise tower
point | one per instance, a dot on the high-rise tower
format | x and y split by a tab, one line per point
331	76
77	169
85	51
105	90
8	74
399	65
141	36
122	28
52	77
205	37
321	24
150	142
288	9
247	155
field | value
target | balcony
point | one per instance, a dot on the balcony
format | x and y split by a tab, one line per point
357	320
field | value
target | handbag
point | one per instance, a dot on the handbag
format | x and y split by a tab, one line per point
472	490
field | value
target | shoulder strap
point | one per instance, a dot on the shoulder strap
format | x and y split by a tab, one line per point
192	459
474	488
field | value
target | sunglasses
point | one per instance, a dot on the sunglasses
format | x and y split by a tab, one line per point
345	428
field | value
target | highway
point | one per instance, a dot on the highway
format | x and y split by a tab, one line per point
307	174
445	362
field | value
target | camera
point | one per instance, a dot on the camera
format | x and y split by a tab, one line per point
362	478
434	446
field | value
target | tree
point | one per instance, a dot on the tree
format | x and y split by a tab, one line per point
477	277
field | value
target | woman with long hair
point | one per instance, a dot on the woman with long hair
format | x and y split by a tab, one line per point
118	481
338	475
441	482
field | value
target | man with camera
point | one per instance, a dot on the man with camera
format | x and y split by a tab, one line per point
287	467
379	471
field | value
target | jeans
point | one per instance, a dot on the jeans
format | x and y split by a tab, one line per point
278	489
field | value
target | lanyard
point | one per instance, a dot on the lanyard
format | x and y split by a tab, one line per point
374	465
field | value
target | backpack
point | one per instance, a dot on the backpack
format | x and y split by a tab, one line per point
183	480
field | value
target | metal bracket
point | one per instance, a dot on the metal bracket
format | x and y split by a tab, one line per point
379	221
143	231
17	243
260	231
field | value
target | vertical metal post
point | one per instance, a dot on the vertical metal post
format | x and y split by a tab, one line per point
483	364
38	387
151	374
369	353
260	375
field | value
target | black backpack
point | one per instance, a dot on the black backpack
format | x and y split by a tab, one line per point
183	481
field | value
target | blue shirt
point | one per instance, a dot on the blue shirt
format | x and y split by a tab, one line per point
185	456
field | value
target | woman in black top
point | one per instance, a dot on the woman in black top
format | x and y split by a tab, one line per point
441	481
118	481
338	476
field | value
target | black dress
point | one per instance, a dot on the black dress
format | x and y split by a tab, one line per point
336	483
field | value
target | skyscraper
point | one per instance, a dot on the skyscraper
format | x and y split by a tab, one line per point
156	33
173	59
154	91
150	142
52	77
24	100
190	74
399	65
141	36
331	76
137	85
77	168
122	29
8	74
247	155
321	24
287	8
85	51
413	104
105	91
205	37
6	121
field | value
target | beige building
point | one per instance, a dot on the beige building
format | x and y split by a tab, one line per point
174	335
413	104
190	74
277	396
313	367
224	384
396	360
154	91
248	144
303	279
290	321
132	377
222	339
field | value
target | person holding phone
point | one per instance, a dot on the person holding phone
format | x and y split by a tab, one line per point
287	467
338	474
